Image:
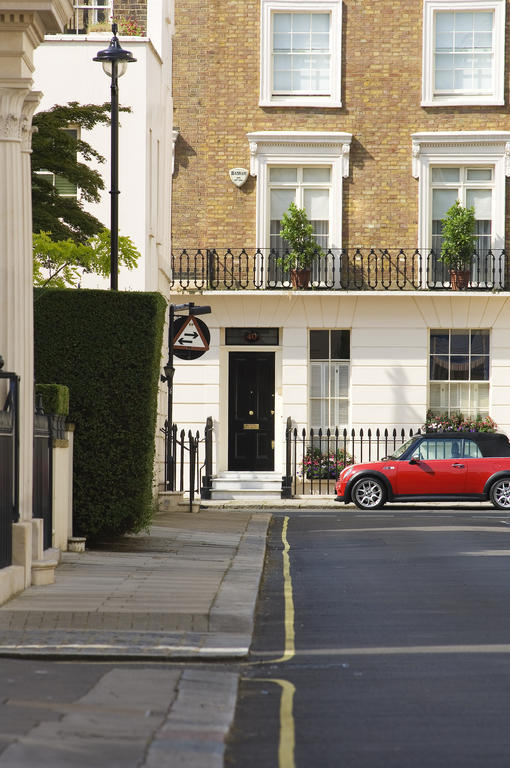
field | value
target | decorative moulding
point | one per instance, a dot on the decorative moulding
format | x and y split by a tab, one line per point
456	144
296	144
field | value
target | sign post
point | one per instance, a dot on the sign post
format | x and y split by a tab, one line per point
188	338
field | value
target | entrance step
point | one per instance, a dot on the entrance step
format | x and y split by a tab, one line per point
246	485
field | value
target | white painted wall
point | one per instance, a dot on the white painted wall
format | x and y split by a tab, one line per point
65	71
389	355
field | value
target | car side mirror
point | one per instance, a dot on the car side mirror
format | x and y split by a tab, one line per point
413	461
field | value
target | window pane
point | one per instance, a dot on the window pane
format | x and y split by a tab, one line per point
319	413
446	174
459	368
301	23
443	80
481	200
280	201
480	368
319	345
317	175
339	382
282	43
463	22
439	342
471	450
460	342
479	342
316	203
439	367
340	345
319	384
282	81
339	412
282	23
283	174
483	21
442	200
479	174
444	22
320	23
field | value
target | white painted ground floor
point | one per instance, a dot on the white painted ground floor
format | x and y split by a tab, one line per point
327	359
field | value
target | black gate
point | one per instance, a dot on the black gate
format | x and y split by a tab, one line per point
9	466
43	471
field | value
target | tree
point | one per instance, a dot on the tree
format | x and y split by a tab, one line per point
57	151
61	263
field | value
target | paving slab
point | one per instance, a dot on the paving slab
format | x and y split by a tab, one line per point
186	589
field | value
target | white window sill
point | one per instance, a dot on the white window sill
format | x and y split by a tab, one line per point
463	101
301	101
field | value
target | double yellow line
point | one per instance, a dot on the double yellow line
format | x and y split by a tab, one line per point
287	737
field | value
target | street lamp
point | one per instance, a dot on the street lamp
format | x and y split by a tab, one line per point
169	378
114	60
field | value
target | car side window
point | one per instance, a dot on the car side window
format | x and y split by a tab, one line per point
472	450
438	449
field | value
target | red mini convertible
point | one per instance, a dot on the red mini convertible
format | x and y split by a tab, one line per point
435	466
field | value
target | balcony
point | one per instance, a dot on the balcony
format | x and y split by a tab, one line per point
370	269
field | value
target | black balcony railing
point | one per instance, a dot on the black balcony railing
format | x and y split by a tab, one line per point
368	269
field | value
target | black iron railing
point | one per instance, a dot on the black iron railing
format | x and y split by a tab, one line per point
191	460
314	459
9	465
370	269
42	499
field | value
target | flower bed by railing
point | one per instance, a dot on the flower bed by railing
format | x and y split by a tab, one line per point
371	269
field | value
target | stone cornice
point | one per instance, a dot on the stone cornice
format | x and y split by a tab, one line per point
488	143
13	118
327	143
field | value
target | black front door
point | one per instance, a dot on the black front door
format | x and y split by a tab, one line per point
251	411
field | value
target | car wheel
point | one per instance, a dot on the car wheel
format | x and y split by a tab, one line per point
368	493
500	493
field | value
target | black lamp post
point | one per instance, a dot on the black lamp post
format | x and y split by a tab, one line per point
114	60
169	378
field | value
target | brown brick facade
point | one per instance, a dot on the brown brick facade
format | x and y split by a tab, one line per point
216	94
131	11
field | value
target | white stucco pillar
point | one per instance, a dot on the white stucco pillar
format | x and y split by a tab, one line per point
22	28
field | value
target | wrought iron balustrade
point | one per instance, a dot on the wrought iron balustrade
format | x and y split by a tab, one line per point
359	269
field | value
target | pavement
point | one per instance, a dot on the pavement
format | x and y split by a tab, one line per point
185	591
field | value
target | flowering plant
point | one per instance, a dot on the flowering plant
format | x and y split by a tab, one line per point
316	464
129	27
455	422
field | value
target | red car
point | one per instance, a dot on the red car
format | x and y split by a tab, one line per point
435	466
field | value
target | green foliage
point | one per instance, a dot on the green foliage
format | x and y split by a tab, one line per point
458	237
106	347
56	150
324	464
456	422
298	232
61	263
55	398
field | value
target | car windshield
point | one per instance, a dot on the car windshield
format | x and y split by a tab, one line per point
402	448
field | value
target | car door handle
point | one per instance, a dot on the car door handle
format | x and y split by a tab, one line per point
461	466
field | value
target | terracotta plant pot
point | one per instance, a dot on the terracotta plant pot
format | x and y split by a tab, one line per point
300	278
459	279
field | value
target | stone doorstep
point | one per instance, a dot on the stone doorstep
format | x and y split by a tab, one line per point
43	571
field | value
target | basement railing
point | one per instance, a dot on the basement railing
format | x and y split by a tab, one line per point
370	269
315	458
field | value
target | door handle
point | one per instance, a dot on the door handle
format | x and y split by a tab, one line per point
460	466
272	413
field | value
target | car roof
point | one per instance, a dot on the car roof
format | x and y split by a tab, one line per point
491	443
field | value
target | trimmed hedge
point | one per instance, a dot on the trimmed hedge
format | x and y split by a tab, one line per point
55	398
106	347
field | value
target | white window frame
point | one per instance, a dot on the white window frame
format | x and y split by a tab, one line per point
430	8
299	148
331	361
470	382
460	148
267	9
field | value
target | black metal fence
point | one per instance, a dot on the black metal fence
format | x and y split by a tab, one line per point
9	465
370	269
314	459
188	460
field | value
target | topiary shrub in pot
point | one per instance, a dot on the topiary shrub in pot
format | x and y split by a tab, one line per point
458	244
297	230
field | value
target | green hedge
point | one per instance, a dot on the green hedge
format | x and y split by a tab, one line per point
55	398
106	347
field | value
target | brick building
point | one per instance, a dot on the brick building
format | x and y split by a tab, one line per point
376	135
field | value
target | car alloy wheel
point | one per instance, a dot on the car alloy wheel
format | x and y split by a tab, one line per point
500	493
369	493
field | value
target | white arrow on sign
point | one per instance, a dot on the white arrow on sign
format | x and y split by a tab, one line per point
190	337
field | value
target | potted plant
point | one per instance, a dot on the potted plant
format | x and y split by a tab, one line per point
297	231
458	244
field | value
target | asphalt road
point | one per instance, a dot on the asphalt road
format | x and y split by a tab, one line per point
395	652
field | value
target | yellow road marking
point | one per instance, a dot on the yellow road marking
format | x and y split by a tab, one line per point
290	647
287	738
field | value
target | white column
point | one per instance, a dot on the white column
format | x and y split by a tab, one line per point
16	325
